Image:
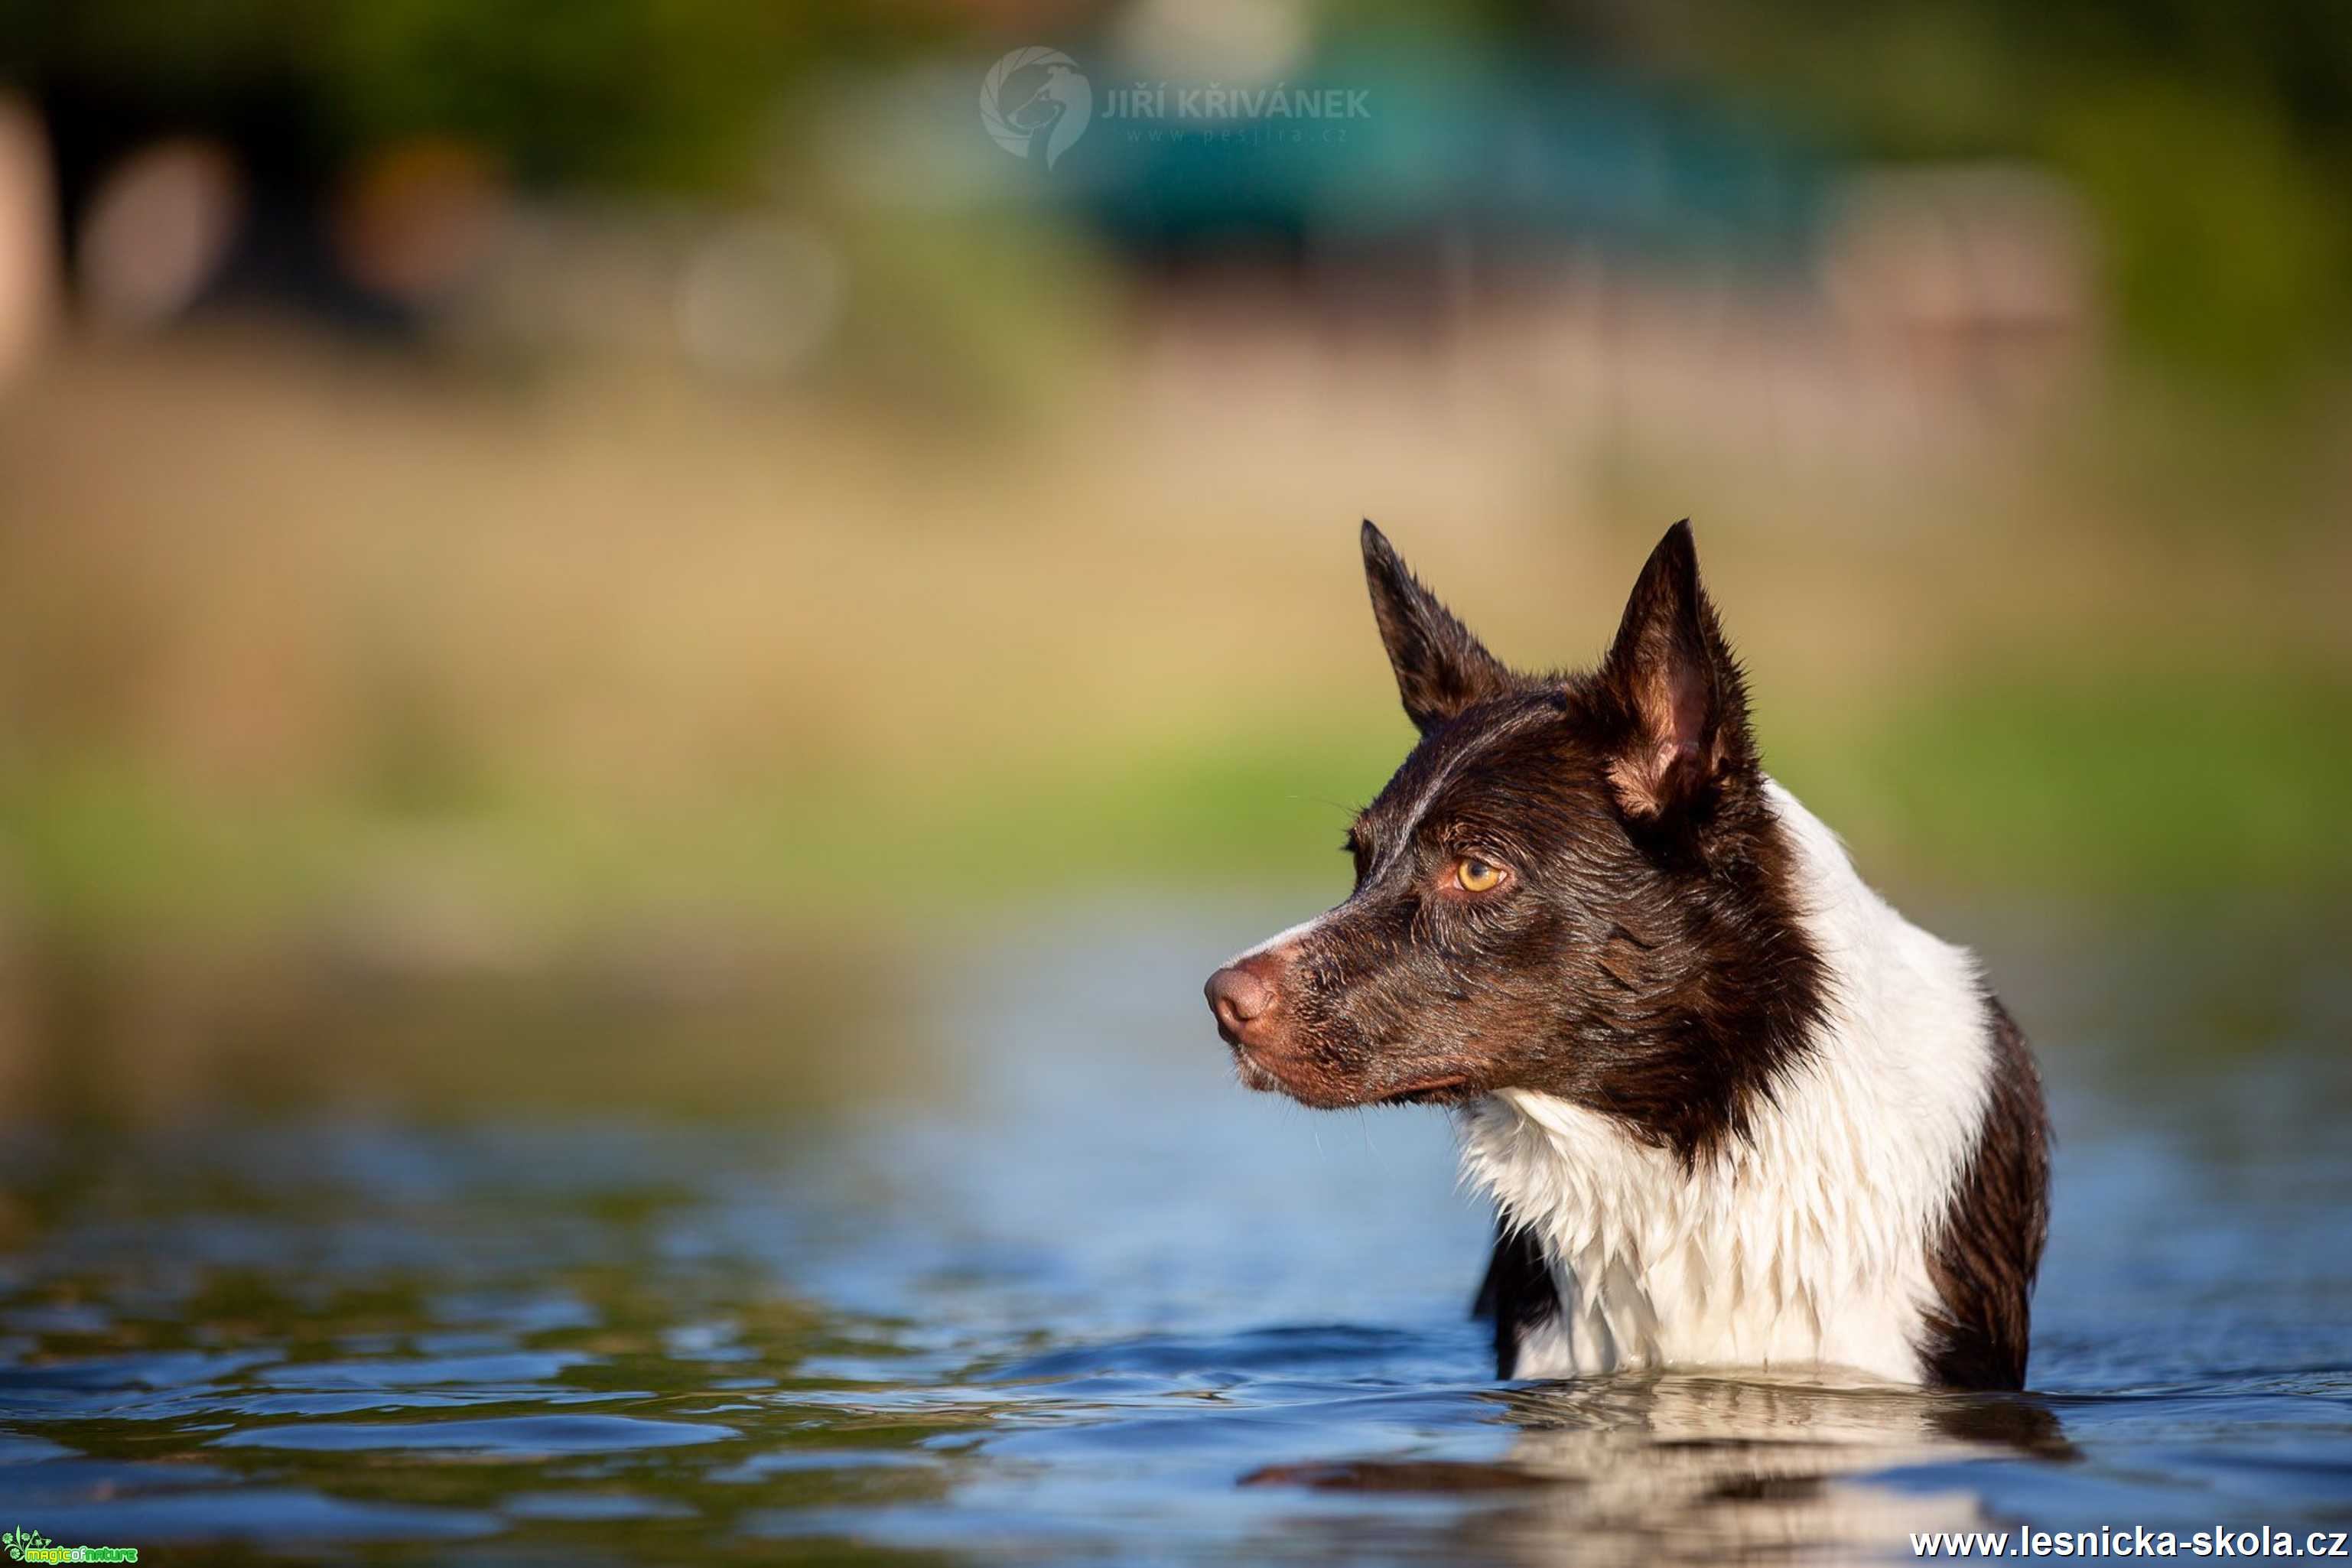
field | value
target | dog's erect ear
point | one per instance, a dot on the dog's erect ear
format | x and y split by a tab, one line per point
1680	687
1440	668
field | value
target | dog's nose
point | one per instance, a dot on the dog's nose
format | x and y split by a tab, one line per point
1240	994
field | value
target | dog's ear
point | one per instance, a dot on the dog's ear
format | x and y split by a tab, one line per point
1440	668
1678	686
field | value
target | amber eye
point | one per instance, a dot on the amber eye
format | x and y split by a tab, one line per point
1475	875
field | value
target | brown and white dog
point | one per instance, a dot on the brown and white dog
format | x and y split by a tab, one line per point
1734	1111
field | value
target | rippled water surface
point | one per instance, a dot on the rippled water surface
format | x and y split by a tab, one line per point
1076	1297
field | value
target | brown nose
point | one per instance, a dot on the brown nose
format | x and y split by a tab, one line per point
1241	996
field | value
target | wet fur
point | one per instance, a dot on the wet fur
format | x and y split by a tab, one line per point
1732	1107
1814	1235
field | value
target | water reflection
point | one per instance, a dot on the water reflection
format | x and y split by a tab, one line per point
1648	1468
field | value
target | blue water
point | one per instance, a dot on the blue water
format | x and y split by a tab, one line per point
1067	1294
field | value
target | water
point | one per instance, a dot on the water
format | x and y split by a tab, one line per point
1074	1297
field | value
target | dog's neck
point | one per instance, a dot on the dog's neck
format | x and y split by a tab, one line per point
1810	1232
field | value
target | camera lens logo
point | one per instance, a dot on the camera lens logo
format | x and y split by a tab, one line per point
1034	102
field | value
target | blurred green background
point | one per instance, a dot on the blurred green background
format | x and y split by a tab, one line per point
620	523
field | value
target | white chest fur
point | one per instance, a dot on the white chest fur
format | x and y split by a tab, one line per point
1802	1245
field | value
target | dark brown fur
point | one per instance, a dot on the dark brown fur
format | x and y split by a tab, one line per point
1518	1294
1984	1257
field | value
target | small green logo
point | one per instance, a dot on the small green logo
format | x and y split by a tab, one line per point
32	1546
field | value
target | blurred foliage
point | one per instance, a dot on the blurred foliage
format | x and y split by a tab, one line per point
615	89
2228	247
2214	141
648	93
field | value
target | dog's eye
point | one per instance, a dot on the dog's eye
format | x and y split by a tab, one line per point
1475	875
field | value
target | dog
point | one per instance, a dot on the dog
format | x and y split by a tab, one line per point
1733	1109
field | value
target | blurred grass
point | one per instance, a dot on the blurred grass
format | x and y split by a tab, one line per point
2129	785
2115	787
357	701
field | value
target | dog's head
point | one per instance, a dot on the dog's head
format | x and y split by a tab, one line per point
1574	884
